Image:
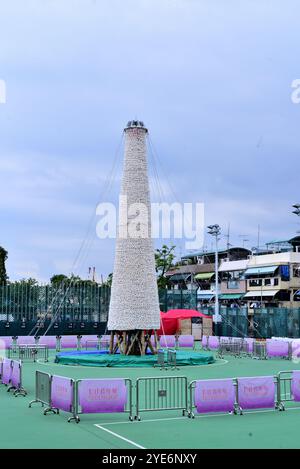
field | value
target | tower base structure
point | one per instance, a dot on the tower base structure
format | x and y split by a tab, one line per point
135	342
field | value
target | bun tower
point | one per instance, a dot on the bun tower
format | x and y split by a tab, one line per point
134	312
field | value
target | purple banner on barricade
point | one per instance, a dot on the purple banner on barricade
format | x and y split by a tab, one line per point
6	371
105	341
277	348
69	341
225	339
217	395
5	342
296	348
152	340
102	396
204	341
250	343
48	340
167	341
16	374
213	342
85	338
296	386
186	341
62	390
256	392
26	340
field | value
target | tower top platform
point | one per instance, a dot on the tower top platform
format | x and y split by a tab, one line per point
135	125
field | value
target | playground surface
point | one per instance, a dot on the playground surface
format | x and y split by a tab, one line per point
24	427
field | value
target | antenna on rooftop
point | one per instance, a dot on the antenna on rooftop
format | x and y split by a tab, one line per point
228	237
244	238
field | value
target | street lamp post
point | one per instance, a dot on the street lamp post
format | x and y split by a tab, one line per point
296	211
215	231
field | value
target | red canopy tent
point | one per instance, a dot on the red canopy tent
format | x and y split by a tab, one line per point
169	322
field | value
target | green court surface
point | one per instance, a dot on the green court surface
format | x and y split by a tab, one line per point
23	427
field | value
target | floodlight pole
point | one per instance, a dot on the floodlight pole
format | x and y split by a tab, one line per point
297	209
215	231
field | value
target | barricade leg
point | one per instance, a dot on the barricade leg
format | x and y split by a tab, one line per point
279	401
75	413
18	391
237	407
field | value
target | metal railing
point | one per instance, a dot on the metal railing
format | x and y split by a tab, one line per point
28	352
259	350
172	359
42	389
167	394
155	394
284	388
237	348
161	362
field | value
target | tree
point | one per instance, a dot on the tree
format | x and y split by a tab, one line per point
3	275
57	280
30	282
109	279
164	260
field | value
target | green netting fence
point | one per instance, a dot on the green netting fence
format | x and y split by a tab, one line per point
84	308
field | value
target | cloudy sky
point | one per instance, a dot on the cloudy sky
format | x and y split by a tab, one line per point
212	81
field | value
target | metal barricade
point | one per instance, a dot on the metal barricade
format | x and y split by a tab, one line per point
204	342
171	356
259	350
191	401
93	344
284	389
290	351
154	394
244	348
43	390
236	347
161	363
28	352
76	404
16	381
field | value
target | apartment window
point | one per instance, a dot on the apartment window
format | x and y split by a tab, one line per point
285	272
296	271
255	282
233	284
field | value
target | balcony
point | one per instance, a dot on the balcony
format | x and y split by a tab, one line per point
268	283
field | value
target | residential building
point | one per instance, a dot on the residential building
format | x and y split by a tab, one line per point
273	280
232	279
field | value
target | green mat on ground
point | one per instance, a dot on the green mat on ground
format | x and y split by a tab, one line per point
183	358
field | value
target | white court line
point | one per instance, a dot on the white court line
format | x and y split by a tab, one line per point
119	436
143	421
246	412
218	364
49	363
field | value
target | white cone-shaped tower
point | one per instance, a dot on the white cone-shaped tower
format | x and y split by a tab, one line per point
134	303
